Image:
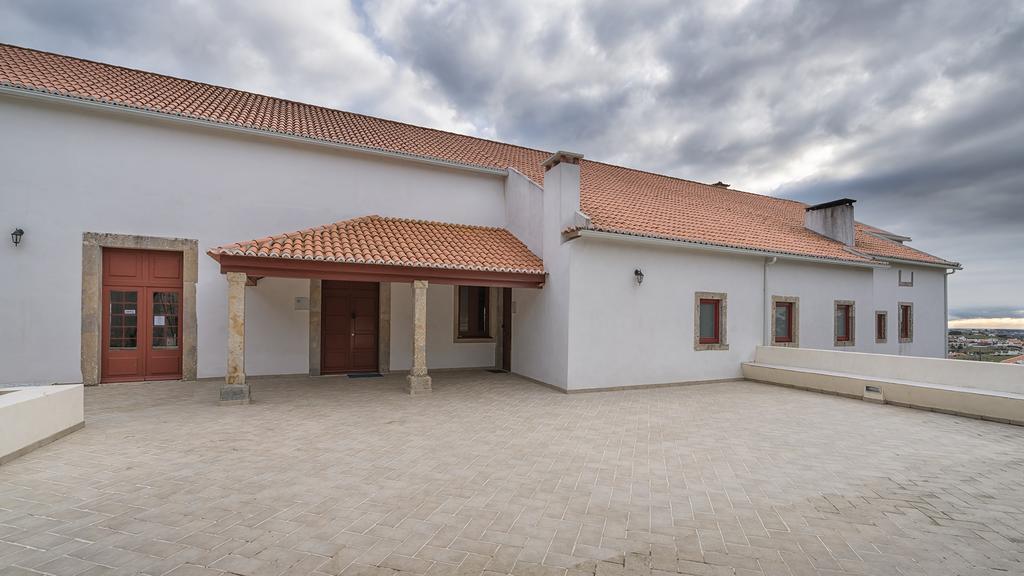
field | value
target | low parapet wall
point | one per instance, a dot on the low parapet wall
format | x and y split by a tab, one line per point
32	416
960	373
976	389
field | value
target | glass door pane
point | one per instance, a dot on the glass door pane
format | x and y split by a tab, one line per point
165	317
123	321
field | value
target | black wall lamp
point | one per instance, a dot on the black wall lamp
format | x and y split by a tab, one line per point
16	236
638	274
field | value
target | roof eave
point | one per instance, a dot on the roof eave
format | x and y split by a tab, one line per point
739	250
944	265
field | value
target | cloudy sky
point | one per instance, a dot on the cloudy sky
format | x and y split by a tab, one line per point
915	109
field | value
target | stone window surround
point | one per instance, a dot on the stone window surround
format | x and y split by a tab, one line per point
723	307
853	323
903	282
899	322
383	326
93	244
493	298
883	314
795	301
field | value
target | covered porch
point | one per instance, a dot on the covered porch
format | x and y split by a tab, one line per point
373	279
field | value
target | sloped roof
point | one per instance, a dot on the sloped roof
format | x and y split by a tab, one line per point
616	199
398	242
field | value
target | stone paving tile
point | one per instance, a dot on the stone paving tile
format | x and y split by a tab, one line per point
491	474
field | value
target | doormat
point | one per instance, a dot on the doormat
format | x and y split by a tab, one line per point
365	375
497	371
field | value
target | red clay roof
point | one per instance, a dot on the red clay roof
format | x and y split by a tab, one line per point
616	199
398	242
1014	360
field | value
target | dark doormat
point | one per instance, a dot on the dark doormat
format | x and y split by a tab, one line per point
497	370
365	375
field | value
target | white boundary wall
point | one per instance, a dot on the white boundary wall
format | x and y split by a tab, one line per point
31	416
940	371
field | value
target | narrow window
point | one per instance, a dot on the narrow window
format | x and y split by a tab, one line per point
710	328
844	320
473	321
906	322
881	327
784	322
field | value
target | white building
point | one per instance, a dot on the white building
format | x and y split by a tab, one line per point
138	195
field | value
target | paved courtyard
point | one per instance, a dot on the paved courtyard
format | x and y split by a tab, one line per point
492	474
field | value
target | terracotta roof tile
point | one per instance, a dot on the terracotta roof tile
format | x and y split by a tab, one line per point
398	242
616	199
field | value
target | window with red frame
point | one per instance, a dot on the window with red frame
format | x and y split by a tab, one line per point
906	319
881	319
710	319
844	322
783	322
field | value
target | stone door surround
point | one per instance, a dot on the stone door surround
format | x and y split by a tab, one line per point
93	244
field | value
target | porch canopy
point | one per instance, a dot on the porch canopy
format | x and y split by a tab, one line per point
373	249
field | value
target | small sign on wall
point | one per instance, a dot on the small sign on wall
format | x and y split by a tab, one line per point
302	302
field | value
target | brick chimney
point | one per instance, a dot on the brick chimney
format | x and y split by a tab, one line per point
832	219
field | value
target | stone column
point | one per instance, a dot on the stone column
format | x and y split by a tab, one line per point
235	390
419	381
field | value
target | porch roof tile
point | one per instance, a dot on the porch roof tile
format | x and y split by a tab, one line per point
398	242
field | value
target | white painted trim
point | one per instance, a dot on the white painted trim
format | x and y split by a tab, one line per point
88	102
717	248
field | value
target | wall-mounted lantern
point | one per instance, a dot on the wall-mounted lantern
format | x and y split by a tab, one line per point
638	275
16	236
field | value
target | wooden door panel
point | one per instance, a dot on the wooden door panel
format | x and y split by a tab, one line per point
348	327
164	268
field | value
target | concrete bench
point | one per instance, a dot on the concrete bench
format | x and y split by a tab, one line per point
993	405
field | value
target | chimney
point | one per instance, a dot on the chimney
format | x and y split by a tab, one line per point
562	183
832	219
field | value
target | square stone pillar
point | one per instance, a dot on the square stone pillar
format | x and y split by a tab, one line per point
235	390
419	381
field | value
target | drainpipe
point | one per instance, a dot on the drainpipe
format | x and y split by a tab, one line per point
945	306
765	324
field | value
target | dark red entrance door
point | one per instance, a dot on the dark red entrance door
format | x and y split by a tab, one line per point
142	310
348	341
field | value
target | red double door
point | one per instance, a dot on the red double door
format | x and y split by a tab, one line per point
142	311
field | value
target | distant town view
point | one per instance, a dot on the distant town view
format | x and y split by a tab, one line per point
987	345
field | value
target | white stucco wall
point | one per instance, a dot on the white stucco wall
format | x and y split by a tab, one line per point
524	211
927	296
818	286
623	334
540	323
68	171
442	349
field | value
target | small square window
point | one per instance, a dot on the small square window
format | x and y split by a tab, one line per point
906	278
